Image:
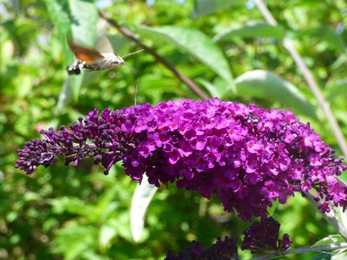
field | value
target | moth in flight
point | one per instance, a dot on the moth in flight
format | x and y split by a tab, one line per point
100	58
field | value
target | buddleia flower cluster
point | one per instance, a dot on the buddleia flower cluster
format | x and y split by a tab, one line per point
247	156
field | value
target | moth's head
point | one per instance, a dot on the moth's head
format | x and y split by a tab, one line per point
113	58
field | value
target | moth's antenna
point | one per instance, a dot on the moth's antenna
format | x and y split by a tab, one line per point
132	53
137	88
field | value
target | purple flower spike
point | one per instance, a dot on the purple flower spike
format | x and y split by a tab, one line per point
263	236
244	155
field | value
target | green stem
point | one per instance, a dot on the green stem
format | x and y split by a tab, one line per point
301	250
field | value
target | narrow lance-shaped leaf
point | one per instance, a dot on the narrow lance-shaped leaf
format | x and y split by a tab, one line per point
215	90
140	201
327	34
265	84
205	7
83	25
78	19
340	88
197	44
251	29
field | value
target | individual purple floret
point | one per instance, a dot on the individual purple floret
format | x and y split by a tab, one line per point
263	237
221	250
247	156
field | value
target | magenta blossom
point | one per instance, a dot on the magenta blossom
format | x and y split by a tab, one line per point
246	156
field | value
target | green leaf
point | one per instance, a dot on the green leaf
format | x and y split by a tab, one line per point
76	18
84	17
142	197
65	96
339	253
121	225
265	84
74	206
60	14
215	90
329	240
74	239
150	82
204	7
6	52
197	44
340	88
58	10
106	205
327	34
106	234
323	256
251	29
26	85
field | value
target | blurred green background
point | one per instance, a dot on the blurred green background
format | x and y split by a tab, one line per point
225	47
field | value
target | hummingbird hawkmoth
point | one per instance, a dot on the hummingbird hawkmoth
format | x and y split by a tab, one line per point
100	58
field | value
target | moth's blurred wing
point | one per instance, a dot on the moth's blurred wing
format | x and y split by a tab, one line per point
85	54
103	45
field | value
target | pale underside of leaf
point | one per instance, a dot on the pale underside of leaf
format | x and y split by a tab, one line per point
267	85
143	195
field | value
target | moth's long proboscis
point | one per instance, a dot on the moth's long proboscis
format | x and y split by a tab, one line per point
132	53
